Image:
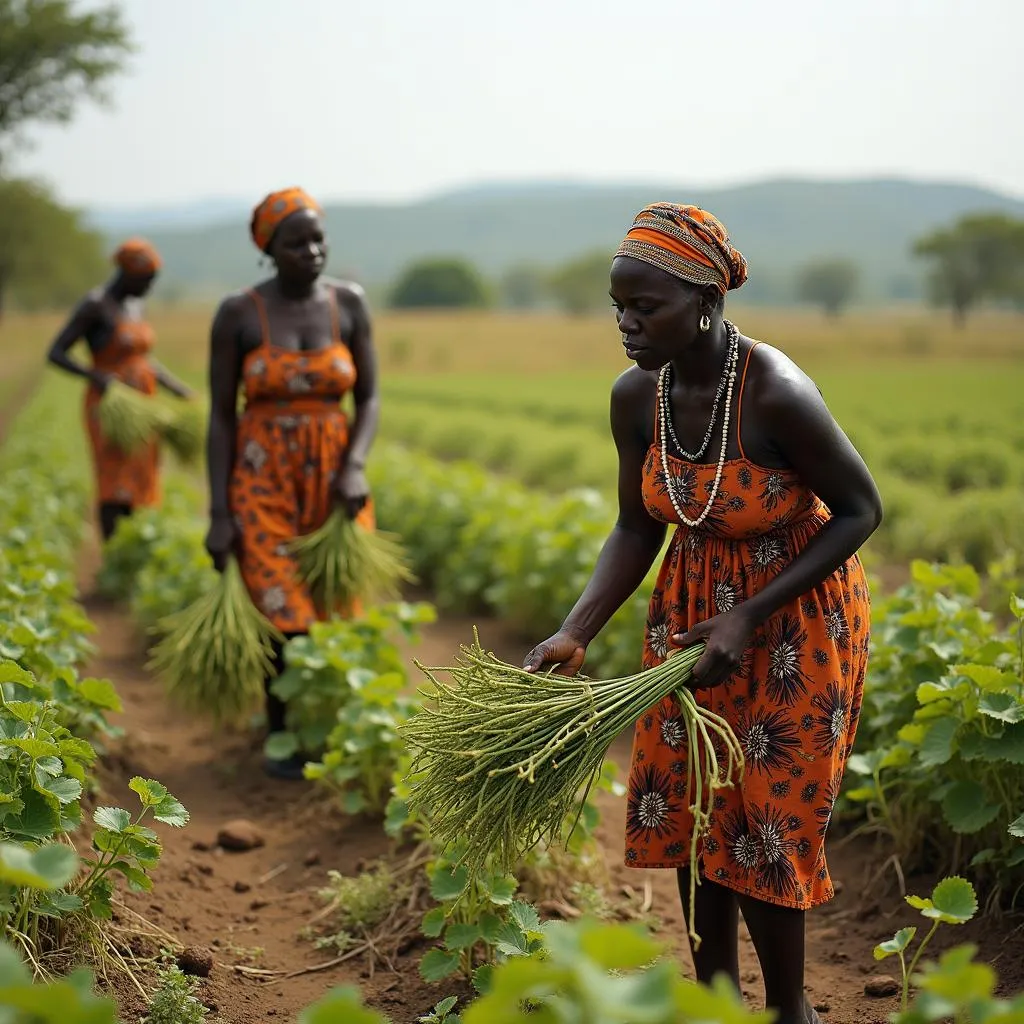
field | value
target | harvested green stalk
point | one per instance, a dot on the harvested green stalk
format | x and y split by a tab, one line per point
501	756
216	653
128	418
344	562
184	432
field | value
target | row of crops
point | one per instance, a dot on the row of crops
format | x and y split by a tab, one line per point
939	770
946	445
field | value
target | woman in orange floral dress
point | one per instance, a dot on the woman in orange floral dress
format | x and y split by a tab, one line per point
727	441
295	345
120	342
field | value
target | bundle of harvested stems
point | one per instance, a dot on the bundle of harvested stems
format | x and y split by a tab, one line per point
344	562
501	756
129	418
184	430
215	653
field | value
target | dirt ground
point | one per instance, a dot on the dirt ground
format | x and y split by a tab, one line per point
248	908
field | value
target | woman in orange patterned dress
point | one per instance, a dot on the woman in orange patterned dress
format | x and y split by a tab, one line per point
769	506
295	345
120	342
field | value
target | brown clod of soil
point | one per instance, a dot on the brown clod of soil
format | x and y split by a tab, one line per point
240	835
241	886
878	986
195	961
311	859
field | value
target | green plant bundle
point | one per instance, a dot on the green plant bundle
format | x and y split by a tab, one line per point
130	419
344	562
184	432
216	653
501	756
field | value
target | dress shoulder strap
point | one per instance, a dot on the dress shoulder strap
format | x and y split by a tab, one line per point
739	400
261	312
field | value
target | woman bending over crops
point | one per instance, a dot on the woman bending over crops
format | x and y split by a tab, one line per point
120	342
295	344
728	441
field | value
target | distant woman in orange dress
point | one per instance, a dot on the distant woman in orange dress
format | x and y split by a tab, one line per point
727	441
120	342
295	345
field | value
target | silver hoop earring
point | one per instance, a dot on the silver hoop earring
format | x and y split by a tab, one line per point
705	323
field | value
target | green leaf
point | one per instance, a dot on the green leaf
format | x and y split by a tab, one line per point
525	916
987	677
100	693
12	672
66	790
937	744
340	1006
501	890
437	965
433	922
136	877
1017	827
1017	607
483	978
37	820
57	903
1016	858
448	885
149	792
965	808
896	944
154	795
279	746
353	802
615	948
33	747
462	936
955	899
49	867
113	819
1002	706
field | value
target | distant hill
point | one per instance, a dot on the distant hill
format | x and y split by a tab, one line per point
779	225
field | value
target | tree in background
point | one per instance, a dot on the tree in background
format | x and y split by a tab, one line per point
829	283
47	255
440	283
979	257
581	285
52	57
523	286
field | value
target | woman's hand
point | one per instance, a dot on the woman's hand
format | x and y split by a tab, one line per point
726	636
221	540
564	652
351	490
183	391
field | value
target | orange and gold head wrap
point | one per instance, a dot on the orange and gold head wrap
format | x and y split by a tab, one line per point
275	208
688	243
137	257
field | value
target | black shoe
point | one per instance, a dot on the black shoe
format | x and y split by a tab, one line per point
289	769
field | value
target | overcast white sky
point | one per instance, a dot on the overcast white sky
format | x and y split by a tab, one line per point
393	99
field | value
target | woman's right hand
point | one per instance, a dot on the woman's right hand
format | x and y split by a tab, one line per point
564	652
221	540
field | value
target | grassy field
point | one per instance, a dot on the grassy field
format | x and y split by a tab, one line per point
937	412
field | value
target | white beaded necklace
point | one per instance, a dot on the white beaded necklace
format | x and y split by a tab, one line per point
664	405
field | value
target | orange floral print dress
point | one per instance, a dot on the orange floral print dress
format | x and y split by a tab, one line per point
124	479
290	448
793	704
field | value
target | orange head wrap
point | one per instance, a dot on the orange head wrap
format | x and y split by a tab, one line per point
274	209
688	243
138	257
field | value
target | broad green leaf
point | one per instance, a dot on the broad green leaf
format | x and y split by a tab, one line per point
64	789
462	936
524	915
511	941
953	901
57	903
937	743
100	693
12	672
279	746
1016	858
437	965
353	802
137	878
76	748
615	948
33	747
49	867
1017	827
501	890
490	927
1002	706
896	944
37	820
1017	607
482	978
965	808
396	817
340	1006
433	923
448	885
446	1005
113	819
987	677
149	791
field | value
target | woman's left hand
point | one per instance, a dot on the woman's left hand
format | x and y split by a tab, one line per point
351	490
726	636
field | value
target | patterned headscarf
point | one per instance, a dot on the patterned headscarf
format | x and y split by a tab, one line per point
275	208
688	243
136	256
